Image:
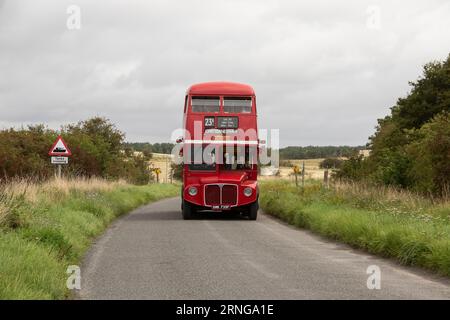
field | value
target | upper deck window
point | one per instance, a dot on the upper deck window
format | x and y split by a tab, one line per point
205	104
237	105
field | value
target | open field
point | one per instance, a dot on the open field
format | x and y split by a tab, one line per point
384	221
312	169
163	162
46	227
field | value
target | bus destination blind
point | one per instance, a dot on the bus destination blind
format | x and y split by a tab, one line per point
227	122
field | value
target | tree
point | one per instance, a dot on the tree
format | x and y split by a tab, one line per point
429	96
410	147
430	172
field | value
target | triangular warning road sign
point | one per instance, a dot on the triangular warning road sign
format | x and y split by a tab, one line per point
59	148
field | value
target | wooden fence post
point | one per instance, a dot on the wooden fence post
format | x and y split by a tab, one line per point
296	171
325	178
303	174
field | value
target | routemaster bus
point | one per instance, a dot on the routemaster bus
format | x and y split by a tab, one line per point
220	148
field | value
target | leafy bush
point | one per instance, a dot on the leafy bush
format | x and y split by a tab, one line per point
331	163
430	170
355	168
96	145
177	171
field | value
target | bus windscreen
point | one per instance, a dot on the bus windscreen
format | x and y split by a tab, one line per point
237	105
206	104
199	161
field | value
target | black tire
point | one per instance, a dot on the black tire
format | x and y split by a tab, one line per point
253	210
188	210
182	199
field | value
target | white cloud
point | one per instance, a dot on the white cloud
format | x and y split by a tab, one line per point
321	76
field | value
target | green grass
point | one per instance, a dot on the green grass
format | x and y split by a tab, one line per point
42	233
395	224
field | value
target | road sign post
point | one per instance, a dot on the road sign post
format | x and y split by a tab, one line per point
157	172
59	160
59	154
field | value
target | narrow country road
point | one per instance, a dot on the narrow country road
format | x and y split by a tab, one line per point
154	254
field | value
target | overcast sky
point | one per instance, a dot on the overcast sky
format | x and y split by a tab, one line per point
323	71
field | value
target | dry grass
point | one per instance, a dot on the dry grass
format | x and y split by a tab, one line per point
65	186
31	191
389	198
18	191
4	211
10	195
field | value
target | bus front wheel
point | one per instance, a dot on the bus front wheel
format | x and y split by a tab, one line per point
187	210
253	211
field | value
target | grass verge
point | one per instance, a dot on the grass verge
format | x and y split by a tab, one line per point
47	227
397	224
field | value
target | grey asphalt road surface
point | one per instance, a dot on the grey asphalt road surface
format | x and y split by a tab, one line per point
153	254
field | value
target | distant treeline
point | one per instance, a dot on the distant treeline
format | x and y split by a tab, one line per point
314	152
97	150
288	153
411	146
148	148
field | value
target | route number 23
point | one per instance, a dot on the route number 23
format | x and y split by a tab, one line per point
209	122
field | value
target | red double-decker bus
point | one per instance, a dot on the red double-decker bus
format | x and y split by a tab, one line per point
220	148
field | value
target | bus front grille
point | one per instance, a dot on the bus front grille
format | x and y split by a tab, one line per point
216	195
229	195
212	195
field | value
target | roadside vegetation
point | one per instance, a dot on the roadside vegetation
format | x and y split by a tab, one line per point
386	221
98	149
331	163
411	146
47	226
395	202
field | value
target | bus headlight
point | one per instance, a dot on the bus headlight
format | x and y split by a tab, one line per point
192	191
248	191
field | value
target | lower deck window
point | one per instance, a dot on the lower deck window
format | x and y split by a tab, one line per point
199	160
239	158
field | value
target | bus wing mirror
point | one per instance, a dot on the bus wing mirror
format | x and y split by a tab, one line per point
179	140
